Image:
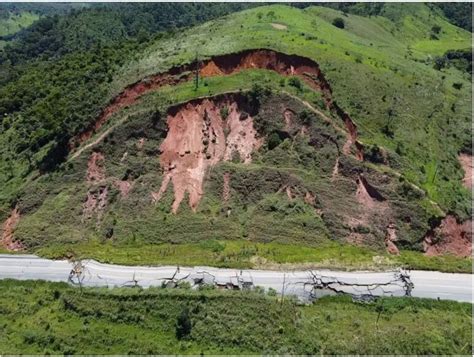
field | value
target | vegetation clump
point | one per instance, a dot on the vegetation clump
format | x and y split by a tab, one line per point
339	22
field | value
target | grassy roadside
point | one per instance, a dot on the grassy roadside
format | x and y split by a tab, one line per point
245	254
54	318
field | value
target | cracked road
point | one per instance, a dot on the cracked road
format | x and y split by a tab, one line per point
304	284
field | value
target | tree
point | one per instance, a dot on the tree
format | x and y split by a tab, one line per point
338	22
183	324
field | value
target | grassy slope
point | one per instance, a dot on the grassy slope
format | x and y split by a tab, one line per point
52	318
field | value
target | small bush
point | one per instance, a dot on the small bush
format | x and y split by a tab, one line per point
295	82
339	23
436	29
224	112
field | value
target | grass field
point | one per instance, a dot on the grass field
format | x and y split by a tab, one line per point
54	318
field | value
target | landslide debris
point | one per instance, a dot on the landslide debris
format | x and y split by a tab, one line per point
198	138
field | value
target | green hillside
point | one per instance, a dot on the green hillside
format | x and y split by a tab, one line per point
402	77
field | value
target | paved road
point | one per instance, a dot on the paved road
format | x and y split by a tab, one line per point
304	284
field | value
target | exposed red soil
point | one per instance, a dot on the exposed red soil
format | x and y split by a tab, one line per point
366	194
95	203
390	238
8	229
198	138
449	237
210	69
310	199
95	168
373	207
466	163
281	63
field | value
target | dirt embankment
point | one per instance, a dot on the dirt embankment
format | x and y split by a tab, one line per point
8	229
281	63
366	194
201	134
449	237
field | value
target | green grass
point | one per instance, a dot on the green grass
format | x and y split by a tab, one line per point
54	318
246	254
17	22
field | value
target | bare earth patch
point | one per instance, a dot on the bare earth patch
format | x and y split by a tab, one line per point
7	231
96	199
279	26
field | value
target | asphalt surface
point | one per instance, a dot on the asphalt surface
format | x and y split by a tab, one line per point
303	284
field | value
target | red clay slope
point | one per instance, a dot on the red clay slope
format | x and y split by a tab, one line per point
198	138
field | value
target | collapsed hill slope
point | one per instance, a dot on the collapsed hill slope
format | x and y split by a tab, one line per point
282	142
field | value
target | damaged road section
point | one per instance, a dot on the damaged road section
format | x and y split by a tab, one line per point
306	285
